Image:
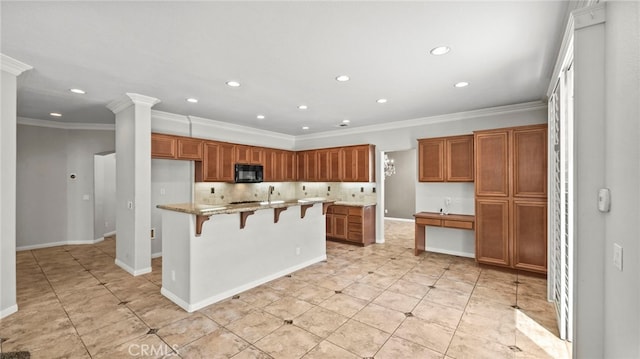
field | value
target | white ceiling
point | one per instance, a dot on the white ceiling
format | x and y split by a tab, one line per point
283	54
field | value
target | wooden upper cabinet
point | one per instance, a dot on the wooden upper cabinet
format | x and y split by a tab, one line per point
446	159
459	159
329	163
249	155
288	163
307	167
358	163
270	165
217	163
190	148
431	160
492	163
163	146
530	162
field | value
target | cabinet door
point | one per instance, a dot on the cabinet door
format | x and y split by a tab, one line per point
492	231
243	154
530	162
288	162
459	159
530	235
340	226
335	165
323	165
163	146
431	160
311	166
210	168
226	162
271	165
357	163
189	149
492	163
256	155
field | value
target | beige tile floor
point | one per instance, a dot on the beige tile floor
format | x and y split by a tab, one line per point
375	302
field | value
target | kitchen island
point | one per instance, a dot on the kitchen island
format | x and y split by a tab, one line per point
212	252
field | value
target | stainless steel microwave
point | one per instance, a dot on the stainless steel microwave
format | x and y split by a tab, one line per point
248	173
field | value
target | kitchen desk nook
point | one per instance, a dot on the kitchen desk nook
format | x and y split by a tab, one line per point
212	252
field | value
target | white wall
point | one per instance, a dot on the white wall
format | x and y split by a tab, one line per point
622	176
400	188
104	193
46	158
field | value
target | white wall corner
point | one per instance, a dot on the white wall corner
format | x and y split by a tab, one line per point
130	270
130	99
13	66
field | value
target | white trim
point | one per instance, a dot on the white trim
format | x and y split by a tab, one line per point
130	270
8	311
156	255
453	253
231	292
168	116
589	16
491	111
13	66
98	240
130	99
399	219
240	129
65	125
53	244
109	234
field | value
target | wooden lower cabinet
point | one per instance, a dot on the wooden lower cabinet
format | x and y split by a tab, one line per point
492	231
512	233
352	224
530	235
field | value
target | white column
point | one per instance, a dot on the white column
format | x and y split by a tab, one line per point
11	69
133	182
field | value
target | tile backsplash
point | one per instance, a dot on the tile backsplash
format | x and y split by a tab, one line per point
222	192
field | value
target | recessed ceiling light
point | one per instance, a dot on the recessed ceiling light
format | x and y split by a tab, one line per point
440	50
461	84
192	100
305	127
342	78
302	107
233	83
381	100
55	114
78	91
345	121
260	117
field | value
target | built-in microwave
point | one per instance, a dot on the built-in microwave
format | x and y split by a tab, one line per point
248	173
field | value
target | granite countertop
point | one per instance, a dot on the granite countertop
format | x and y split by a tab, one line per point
211	209
354	204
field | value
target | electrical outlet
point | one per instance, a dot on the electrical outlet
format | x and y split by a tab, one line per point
617	256
213	190
447	201
297	251
130	204
173	275
361	189
163	191
153	233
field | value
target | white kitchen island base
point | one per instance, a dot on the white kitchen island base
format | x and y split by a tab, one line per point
199	270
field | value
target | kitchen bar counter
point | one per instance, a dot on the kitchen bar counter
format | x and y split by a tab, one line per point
203	263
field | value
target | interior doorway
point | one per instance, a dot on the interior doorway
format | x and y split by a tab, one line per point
104	192
399	173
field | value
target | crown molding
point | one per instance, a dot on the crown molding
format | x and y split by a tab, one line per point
130	99
240	129
13	66
168	116
589	16
65	125
491	111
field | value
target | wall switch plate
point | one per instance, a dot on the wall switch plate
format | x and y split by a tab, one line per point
213	190
130	204
85	197
153	233
163	191
617	256
173	275
298	251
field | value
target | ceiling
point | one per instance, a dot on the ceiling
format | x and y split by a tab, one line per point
284	54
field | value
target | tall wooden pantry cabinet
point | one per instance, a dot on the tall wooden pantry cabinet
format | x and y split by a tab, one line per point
511	197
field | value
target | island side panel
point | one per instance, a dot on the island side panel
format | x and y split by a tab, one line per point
226	260
177	230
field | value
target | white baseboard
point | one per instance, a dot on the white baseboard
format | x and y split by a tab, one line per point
130	270
399	219
156	255
231	292
453	253
109	234
98	240
52	244
8	311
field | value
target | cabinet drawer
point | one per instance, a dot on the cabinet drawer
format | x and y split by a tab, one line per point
355	227
429	222
355	236
355	211
355	219
339	209
458	224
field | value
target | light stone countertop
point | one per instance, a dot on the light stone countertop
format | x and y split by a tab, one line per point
211	209
354	204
